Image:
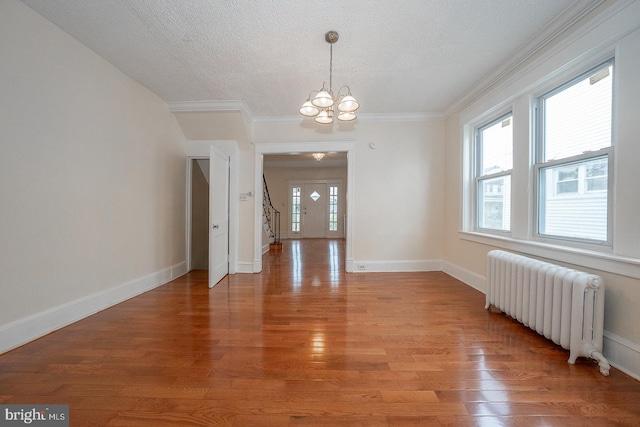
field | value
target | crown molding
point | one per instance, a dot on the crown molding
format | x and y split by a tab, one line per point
401	117
242	107
211	106
365	118
277	120
560	25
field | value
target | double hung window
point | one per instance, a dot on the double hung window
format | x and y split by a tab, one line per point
494	162
574	158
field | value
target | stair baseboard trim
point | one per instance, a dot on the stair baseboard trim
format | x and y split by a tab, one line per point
22	331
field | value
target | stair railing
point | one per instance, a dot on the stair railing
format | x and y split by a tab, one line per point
271	214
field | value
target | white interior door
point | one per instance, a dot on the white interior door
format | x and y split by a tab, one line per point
314	210
218	216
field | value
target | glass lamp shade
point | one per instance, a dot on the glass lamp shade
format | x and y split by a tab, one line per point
309	110
347	116
348	104
325	117
323	99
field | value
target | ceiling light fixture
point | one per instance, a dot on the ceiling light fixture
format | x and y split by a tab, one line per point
318	156
321	104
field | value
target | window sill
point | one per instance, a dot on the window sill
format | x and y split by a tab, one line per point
589	259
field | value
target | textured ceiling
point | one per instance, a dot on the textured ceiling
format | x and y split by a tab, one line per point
399	57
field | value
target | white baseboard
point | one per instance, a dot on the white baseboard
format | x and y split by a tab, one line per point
622	354
468	277
397	266
22	331
244	267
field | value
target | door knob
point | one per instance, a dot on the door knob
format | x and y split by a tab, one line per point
215	226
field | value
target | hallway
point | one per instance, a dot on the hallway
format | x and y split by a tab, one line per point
305	344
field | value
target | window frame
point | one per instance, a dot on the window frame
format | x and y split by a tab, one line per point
540	164
478	177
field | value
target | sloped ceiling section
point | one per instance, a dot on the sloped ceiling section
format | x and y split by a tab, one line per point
228	125
398	57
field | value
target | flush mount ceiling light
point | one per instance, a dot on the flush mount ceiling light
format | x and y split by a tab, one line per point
318	156
322	104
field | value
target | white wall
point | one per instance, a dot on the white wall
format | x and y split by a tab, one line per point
614	31
397	188
92	181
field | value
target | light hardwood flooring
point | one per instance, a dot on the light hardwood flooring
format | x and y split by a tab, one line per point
305	344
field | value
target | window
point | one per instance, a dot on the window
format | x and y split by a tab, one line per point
333	208
596	174
295	209
494	161
567	180
573	158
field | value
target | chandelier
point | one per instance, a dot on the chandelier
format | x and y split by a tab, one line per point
322	104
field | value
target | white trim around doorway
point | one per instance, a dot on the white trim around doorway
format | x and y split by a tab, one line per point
304	147
199	149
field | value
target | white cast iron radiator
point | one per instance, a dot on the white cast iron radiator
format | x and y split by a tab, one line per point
564	305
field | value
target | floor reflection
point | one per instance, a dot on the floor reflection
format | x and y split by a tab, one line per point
492	390
296	265
334	265
304	303
310	262
317	343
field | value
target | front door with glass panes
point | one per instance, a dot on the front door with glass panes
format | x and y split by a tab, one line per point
315	209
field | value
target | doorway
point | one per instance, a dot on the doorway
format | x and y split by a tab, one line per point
199	215
209	215
316	209
198	194
262	149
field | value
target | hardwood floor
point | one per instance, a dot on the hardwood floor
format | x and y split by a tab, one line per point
304	344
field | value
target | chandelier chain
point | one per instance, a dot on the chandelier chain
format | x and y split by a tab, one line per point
331	68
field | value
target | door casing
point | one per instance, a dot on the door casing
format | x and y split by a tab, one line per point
200	149
304	147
